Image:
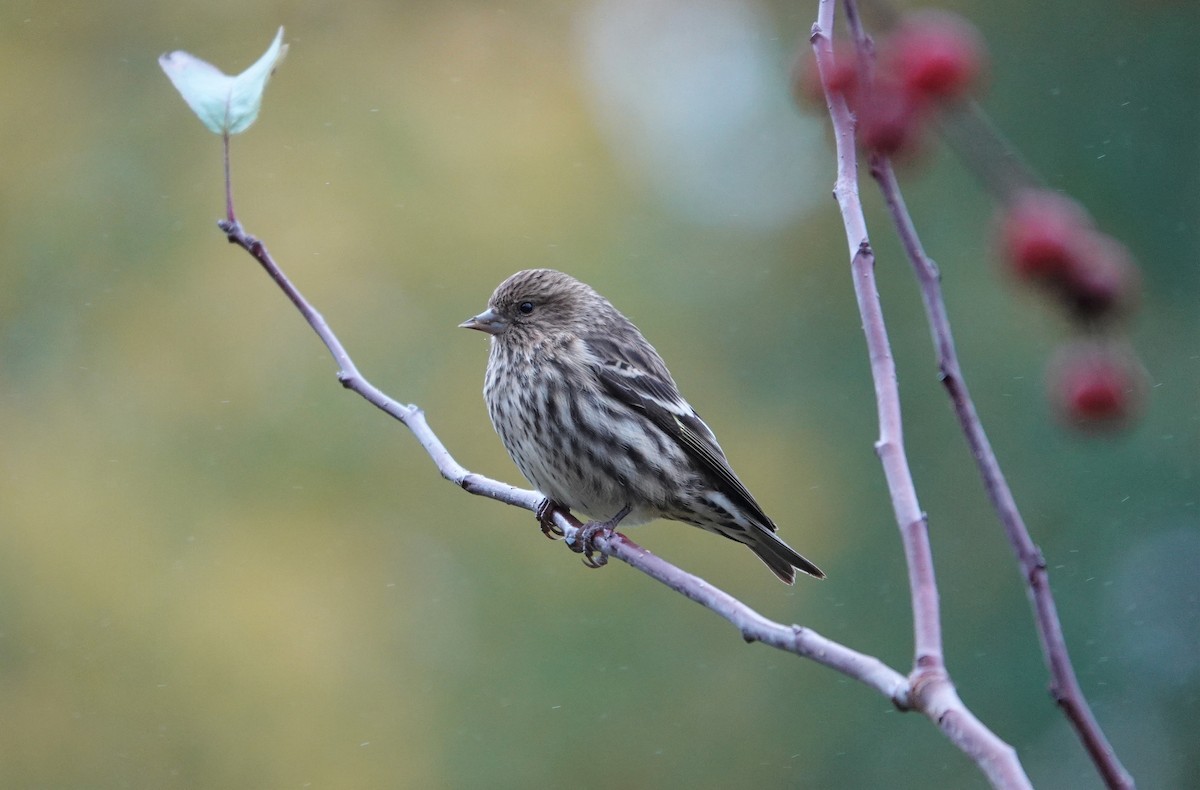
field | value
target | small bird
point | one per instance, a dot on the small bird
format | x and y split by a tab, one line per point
590	414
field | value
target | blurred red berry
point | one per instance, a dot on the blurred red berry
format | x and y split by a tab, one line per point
843	75
806	80
935	55
889	122
930	57
842	78
1102	281
1095	386
1042	233
1048	239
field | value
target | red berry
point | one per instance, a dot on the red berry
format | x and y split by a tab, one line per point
935	55
1102	280
1042	235
1095	386
1048	239
806	80
842	78
889	121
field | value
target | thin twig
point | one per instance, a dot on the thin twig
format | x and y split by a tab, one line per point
968	131
229	215
890	445
933	692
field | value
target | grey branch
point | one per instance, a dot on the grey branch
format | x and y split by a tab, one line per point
752	626
1064	687
928	687
932	691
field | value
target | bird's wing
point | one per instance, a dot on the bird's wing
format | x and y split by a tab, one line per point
638	379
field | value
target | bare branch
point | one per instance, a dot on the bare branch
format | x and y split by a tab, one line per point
1064	686
753	626
928	687
932	690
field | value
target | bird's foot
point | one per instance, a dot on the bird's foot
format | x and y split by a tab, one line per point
584	541
545	516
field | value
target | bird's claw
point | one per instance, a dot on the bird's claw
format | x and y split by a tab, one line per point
584	543
594	561
545	517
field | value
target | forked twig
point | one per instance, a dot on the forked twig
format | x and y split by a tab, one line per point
1064	687
933	691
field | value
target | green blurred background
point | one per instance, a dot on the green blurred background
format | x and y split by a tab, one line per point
218	569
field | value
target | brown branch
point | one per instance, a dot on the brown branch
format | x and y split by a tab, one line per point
933	692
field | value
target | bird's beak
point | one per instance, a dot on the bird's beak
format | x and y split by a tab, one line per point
487	321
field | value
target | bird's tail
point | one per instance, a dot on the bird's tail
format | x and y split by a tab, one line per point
780	557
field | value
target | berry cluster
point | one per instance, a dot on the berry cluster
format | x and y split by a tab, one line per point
929	60
1049	242
1046	240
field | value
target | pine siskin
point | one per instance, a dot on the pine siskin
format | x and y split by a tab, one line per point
591	416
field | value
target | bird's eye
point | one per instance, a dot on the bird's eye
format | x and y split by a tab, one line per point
525	307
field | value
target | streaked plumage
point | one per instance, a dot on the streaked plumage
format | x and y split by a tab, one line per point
590	414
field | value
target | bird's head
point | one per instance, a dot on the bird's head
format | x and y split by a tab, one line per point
538	302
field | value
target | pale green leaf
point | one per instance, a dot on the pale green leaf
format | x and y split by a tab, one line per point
226	105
